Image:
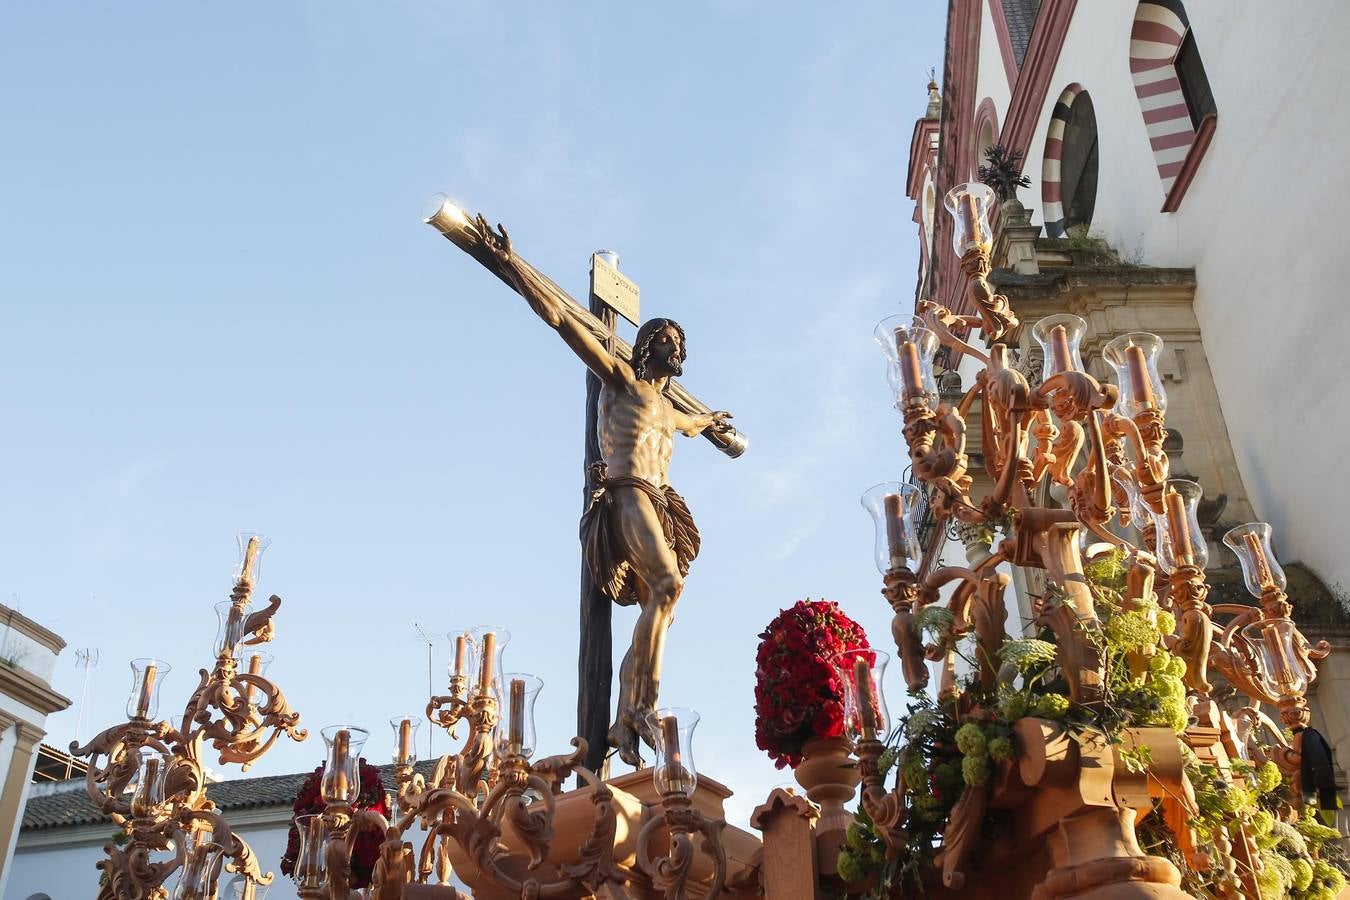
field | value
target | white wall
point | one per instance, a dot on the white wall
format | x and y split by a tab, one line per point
1261	223
65	870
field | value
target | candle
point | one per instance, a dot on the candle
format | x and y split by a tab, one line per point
1263	575
341	783
670	739
459	655
147	692
970	216
895	530
862	677
404	741
1141	386
254	668
1059	350
516	731
250	560
911	373
485	668
1177	528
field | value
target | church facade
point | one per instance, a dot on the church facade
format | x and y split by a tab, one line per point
1185	180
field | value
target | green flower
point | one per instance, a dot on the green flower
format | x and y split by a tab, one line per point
849	867
1001	749
1261	823
1303	874
1052	706
970	740
1167	623
1028	654
911	769
1314	830
1290	839
1268	778
1132	631
1013	706
975	770
920	721
857	837
937	619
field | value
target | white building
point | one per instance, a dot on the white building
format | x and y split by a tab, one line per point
27	657
1186	174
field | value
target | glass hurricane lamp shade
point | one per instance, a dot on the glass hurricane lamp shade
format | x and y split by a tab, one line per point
147	673
892	506
405	739
515	734
1283	671
674	771
463	656
1179	537
489	643
861	673
1134	359
342	775
1060	338
241	888
201	868
249	566
311	860
230	617
910	349
252	662
147	796
1260	569
970	205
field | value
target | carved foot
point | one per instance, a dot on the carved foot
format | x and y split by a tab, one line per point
625	740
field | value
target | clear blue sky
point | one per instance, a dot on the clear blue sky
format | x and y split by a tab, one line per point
222	313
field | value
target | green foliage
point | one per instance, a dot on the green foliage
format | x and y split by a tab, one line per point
946	752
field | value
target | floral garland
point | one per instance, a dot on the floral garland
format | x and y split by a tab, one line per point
366	849
940	751
798	695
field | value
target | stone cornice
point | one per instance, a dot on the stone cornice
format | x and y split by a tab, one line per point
27	627
30	691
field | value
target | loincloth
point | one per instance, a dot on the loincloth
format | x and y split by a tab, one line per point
603	547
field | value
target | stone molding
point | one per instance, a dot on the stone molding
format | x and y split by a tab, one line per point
28	628
31	691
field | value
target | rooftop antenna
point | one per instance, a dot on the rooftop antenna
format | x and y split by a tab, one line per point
431	683
86	658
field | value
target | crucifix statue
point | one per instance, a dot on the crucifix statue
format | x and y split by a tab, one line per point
638	536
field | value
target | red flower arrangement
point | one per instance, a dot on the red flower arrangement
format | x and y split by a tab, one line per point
798	695
366	849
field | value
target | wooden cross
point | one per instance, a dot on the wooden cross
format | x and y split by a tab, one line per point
595	654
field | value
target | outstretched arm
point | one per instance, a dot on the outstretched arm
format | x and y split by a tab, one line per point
604	364
691	425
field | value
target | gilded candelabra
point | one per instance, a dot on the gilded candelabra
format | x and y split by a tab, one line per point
1102	444
489	814
149	775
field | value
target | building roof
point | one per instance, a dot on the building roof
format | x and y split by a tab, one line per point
68	805
1021	18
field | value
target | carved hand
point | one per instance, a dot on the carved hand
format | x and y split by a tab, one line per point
499	242
718	421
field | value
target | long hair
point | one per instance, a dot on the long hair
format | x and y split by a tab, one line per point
642	344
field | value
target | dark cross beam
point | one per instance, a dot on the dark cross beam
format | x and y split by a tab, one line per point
595	655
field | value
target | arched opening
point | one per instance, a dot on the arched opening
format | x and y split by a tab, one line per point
1175	98
1069	170
1078	167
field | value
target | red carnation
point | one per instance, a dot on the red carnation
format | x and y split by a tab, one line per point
366	849
798	696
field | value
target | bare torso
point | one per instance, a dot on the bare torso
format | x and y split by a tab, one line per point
637	430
